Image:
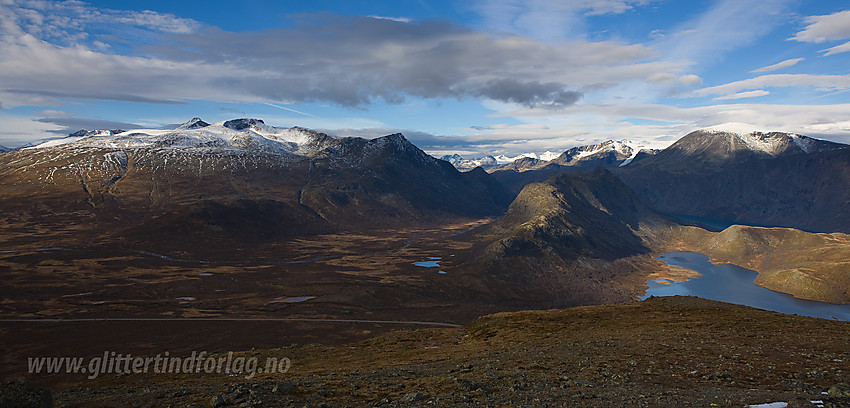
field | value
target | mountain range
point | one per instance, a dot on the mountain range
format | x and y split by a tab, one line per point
756	178
240	179
586	222
607	154
490	162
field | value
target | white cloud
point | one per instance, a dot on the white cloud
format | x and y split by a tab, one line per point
396	19
829	27
838	49
18	130
780	65
823	82
742	95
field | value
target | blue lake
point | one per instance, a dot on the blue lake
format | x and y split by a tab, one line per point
433	262
734	284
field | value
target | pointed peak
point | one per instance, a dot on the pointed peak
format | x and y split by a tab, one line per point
396	139
194	123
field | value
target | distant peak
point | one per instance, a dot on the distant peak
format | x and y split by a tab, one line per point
194	123
243	123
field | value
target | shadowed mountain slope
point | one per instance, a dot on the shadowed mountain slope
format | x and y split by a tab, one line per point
772	179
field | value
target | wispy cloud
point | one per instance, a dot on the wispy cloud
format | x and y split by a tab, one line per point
838	49
824	82
70	124
742	95
548	19
290	110
779	65
725	27
398	19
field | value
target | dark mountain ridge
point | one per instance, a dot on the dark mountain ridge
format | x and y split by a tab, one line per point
769	179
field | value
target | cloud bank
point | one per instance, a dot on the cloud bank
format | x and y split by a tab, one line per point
348	61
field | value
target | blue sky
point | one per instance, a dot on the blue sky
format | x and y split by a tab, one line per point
468	77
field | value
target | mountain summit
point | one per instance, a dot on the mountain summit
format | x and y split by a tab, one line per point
717	147
194	123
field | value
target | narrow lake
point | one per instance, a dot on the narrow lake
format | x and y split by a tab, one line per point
734	284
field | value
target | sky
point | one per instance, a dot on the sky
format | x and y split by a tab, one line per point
472	77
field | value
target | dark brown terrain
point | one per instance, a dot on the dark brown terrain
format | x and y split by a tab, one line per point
661	352
144	251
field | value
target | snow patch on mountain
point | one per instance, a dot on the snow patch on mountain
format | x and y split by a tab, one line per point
549	156
733	127
772	143
502	159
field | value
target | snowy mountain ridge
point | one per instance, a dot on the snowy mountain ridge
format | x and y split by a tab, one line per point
743	138
251	135
623	150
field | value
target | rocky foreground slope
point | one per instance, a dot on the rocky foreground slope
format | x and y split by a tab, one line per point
662	352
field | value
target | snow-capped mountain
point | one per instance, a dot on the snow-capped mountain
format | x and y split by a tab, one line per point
232	136
4	149
502	159
752	177
460	163
717	147
489	162
607	154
